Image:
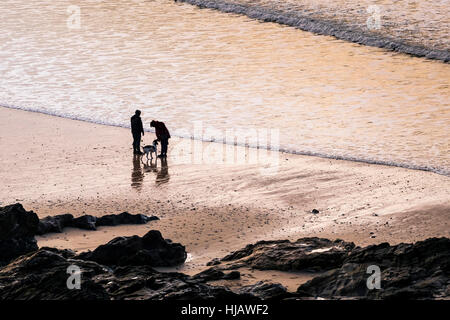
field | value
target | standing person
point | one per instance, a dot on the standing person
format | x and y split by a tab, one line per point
163	135
137	129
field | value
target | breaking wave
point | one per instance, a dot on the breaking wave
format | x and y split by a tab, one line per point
322	27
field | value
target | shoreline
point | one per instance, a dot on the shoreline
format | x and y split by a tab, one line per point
58	165
435	170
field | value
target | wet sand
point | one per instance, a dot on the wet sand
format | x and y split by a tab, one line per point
54	165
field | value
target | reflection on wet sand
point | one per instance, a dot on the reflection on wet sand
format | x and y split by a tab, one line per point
149	166
138	171
137	175
162	176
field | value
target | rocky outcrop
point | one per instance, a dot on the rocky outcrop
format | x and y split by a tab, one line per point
151	250
16	222
88	222
17	230
305	254
214	274
18	227
123	268
145	283
124	218
43	275
54	224
407	271
266	291
412	271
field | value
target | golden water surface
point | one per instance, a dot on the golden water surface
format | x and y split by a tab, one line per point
181	64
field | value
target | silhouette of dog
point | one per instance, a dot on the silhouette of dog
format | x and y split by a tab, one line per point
150	149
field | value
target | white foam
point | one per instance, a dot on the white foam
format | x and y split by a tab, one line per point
441	171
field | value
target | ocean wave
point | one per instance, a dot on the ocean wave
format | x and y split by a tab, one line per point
322	26
437	170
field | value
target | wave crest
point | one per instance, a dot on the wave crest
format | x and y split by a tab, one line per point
322	26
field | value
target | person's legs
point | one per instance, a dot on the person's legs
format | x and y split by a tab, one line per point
136	143
164	143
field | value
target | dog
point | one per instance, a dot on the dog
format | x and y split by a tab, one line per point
149	149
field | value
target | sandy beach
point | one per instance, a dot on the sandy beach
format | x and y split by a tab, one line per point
54	165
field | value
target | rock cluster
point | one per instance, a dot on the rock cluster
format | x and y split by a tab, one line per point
305	254
150	250
54	224
409	271
43	275
119	269
123	267
87	222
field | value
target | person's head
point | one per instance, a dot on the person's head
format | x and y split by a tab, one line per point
137	112
152	124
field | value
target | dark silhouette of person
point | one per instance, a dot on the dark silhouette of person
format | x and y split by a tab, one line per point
136	130
163	135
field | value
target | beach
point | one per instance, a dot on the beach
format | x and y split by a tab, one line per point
54	165
308	158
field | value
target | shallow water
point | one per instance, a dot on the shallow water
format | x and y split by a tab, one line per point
418	27
181	65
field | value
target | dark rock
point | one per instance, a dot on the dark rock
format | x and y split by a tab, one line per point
54	223
213	262
233	275
124	218
248	250
315	211
213	274
413	271
65	253
43	275
408	271
210	274
142	282
15	247
151	250
17	230
86	222
305	254
265	291
16	222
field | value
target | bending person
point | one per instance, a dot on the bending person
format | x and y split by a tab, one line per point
163	135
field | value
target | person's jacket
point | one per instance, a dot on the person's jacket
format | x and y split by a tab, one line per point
161	130
136	125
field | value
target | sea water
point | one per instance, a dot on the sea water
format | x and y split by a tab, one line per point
99	60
